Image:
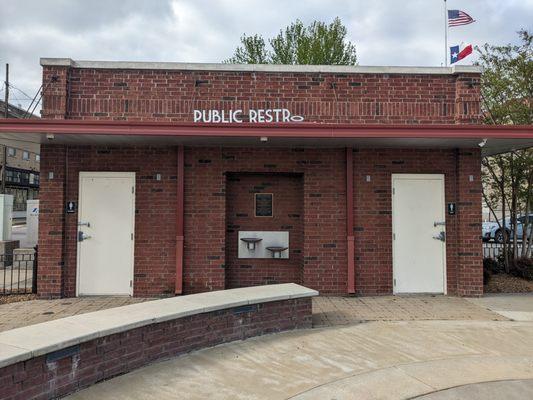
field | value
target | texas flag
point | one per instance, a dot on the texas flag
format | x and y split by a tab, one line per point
457	53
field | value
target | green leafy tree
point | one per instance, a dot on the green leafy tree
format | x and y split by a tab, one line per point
507	98
316	44
252	51
507	81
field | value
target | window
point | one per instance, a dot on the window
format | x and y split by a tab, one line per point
25	155
522	219
38	157
11	152
13	176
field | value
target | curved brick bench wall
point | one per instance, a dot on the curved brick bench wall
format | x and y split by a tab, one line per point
58	357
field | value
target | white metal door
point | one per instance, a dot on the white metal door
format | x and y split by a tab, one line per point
106	219
419	249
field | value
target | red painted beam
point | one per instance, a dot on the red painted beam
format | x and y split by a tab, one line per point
349	221
291	130
180	185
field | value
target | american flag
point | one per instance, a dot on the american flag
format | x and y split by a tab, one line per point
458	17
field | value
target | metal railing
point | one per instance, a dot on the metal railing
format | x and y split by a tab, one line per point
493	250
18	272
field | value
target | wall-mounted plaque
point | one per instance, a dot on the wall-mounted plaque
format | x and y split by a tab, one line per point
263	205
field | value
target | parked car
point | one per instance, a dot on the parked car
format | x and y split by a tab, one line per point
493	231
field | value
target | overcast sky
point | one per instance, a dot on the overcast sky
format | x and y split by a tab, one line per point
385	32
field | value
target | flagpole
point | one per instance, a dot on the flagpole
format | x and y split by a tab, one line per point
445	34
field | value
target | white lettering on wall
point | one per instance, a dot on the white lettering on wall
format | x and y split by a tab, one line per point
259	116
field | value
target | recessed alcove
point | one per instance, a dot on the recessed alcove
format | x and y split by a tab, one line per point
271	203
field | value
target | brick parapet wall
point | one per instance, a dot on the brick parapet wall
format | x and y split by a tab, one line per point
467	99
164	95
65	371
56	83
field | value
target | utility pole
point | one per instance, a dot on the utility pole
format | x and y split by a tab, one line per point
4	164
4	147
6	99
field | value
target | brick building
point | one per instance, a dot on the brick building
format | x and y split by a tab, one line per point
170	178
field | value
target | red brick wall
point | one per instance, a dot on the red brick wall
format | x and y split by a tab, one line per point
323	203
155	214
52	375
172	95
212	203
287	191
159	95
373	215
470	249
51	221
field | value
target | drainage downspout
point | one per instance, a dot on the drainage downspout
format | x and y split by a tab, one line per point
349	220
179	219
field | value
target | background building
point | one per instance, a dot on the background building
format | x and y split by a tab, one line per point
21	160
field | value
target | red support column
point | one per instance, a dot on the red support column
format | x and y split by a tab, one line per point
349	220
179	219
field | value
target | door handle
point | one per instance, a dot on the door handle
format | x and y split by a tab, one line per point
442	223
441	236
82	236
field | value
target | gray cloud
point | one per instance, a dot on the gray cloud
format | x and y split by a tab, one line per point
386	32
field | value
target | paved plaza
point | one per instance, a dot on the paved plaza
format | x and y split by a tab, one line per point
334	311
428	347
23	313
327	311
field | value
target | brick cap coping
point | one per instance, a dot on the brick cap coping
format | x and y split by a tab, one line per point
220	67
24	343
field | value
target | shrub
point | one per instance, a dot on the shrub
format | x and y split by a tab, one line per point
523	268
488	267
486	276
491	265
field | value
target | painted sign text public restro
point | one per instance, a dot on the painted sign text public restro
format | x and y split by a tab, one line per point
254	116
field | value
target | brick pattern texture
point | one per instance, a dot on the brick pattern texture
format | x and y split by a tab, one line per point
158	95
214	201
52	375
373	215
287	216
323	202
155	209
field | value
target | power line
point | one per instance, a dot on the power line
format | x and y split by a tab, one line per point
16	88
42	90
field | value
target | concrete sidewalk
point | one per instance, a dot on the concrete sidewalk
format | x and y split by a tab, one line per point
516	307
375	360
509	390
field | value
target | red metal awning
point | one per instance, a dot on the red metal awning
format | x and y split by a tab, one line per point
499	137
